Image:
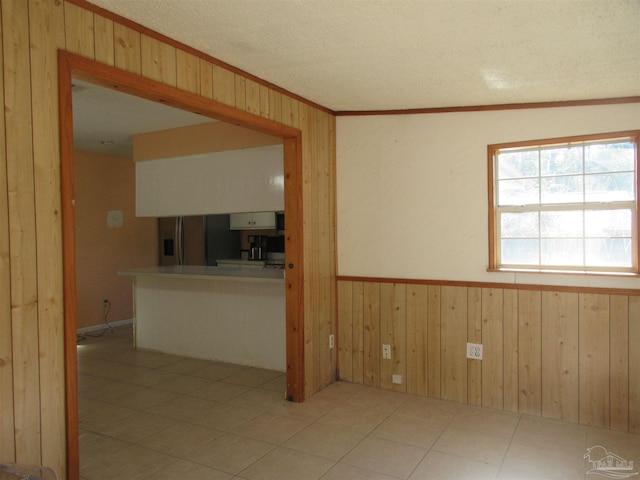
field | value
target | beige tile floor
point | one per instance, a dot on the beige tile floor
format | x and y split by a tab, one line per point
147	415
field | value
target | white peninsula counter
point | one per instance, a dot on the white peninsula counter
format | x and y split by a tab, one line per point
233	315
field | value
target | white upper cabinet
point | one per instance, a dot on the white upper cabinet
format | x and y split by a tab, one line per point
252	221
250	180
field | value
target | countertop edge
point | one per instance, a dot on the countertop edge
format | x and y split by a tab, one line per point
206	273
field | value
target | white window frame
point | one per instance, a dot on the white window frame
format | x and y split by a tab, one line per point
495	263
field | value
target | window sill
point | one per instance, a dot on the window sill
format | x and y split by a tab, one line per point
590	273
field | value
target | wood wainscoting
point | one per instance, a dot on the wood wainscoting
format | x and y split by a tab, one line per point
567	355
36	415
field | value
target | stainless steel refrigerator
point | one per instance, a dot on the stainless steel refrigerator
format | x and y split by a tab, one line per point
196	240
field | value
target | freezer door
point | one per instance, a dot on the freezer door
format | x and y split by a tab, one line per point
167	247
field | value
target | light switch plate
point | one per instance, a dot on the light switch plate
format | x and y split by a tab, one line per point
115	218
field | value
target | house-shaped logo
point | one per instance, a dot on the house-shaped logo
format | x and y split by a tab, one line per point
608	464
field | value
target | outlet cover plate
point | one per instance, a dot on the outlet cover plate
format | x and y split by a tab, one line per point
474	351
386	351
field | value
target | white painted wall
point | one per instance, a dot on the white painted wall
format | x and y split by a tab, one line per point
249	180
412	189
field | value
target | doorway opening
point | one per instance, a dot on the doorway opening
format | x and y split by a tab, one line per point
73	66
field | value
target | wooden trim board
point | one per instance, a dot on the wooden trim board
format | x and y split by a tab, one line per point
71	65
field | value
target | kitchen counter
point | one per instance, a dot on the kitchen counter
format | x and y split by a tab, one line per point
210	273
229	314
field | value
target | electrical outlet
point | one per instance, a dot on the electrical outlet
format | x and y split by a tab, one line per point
332	342
105	303
386	351
474	351
396	379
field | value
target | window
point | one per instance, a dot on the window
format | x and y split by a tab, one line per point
566	204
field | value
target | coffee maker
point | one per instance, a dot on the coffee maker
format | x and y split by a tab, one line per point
258	247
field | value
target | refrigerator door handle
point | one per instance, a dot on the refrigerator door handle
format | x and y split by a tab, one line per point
180	240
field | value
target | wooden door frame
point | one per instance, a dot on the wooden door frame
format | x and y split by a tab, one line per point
71	65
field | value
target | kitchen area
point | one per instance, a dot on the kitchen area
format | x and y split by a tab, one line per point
218	290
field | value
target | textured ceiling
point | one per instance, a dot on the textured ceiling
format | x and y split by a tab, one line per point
403	54
105	120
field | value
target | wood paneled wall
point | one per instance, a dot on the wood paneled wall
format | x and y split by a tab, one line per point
32	402
566	355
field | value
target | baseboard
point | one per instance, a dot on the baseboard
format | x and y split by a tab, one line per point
102	326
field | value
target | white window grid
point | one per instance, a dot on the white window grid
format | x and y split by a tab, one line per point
582	206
